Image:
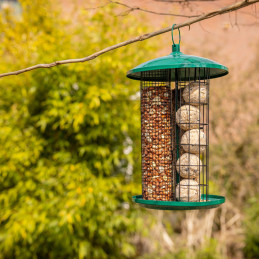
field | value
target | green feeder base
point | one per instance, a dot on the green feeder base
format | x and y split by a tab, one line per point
213	201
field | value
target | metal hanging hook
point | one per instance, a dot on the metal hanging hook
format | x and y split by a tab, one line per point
173	35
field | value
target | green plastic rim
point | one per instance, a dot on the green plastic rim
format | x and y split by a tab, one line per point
214	201
178	60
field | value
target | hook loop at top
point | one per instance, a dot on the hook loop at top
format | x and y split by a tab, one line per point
173	34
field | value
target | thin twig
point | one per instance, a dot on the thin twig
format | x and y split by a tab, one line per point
224	10
137	8
187	2
203	28
249	24
251	14
97	7
183	1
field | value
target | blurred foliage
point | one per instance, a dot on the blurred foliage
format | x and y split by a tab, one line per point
234	156
67	135
251	249
207	251
234	160
234	130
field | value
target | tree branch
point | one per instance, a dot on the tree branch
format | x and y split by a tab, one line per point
183	1
136	8
189	22
249	24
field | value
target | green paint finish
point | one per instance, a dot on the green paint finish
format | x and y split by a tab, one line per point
213	202
178	60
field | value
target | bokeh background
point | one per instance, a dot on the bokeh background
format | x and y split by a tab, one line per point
70	135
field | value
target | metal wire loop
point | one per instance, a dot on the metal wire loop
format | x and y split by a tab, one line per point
173	34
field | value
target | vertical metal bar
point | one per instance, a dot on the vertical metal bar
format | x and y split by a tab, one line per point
189	132
180	121
173	173
141	132
207	135
200	133
177	132
204	129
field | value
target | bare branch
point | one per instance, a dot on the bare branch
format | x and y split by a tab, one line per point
249	24
184	1
251	14
136	8
203	28
227	9
100	6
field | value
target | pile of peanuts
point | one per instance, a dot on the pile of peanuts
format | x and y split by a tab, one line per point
156	142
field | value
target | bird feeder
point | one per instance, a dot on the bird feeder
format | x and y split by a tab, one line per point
174	95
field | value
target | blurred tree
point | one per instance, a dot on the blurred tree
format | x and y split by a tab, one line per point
251	249
67	135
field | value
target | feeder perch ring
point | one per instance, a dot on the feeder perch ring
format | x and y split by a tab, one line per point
214	201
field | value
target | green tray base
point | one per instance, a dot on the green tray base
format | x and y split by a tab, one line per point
213	201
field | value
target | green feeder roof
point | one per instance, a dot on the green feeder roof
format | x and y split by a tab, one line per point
187	67
177	60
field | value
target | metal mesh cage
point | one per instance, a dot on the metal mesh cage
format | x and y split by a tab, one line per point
156	138
175	135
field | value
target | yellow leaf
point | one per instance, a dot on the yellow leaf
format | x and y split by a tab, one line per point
69	218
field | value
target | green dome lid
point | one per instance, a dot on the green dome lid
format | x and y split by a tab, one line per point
181	62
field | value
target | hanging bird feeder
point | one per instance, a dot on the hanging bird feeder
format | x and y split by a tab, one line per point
175	131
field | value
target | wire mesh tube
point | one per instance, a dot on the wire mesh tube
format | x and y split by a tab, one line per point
156	129
191	135
175	135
